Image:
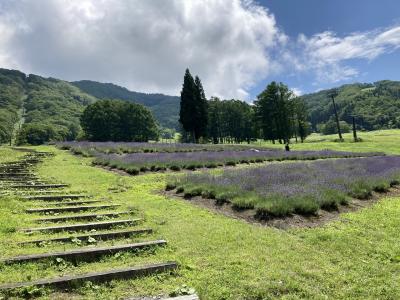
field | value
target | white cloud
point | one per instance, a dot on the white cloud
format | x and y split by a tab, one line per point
144	45
327	55
297	91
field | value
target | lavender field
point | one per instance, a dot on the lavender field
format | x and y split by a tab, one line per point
88	148
277	190
134	163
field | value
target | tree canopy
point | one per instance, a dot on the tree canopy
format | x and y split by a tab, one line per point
114	120
193	108
280	116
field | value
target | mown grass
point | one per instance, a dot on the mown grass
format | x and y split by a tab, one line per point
356	257
387	141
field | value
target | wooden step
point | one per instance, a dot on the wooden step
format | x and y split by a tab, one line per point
85	253
54	197
84	226
39	186
69	208
98	236
16	174
82	217
79	202
67	281
186	297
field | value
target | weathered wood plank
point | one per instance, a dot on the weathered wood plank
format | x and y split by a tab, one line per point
84	226
81	217
39	186
54	197
79	202
85	253
69	208
186	297
66	281
98	236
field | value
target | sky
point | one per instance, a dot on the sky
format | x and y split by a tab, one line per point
236	47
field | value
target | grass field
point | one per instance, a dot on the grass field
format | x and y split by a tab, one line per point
356	257
381	140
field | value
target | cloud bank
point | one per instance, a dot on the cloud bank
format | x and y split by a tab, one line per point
143	45
146	45
326	54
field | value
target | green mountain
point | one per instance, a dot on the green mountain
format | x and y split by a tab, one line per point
165	108
49	109
12	94
375	105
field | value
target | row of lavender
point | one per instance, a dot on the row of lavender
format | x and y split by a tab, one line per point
87	148
134	163
277	190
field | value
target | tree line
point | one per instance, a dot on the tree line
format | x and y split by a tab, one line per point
277	115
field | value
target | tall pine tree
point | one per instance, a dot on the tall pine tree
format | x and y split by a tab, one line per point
187	106
201	114
193	114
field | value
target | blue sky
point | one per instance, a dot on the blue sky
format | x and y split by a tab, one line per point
343	18
235	46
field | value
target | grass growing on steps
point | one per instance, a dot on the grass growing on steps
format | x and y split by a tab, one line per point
7	154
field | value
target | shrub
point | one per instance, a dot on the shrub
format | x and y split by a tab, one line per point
132	171
305	205
394	182
175	168
208	194
180	189
273	207
192	192
360	190
170	186
244	202
381	187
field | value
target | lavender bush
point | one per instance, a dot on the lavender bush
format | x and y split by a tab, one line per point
88	148
304	187
141	162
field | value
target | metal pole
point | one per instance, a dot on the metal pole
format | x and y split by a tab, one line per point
337	118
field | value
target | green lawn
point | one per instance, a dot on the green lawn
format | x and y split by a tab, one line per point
356	257
387	141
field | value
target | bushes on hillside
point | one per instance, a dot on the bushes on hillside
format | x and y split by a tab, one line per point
36	134
330	127
113	120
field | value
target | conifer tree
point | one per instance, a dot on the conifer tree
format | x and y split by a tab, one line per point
201	114
187	107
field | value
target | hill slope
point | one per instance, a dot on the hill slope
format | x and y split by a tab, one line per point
165	108
376	105
12	92
47	106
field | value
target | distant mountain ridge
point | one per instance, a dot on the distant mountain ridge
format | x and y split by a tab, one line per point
374	105
165	108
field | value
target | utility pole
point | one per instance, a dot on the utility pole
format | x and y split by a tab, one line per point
333	93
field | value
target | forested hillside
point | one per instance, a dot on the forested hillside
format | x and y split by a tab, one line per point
165	108
12	91
52	110
42	109
375	105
